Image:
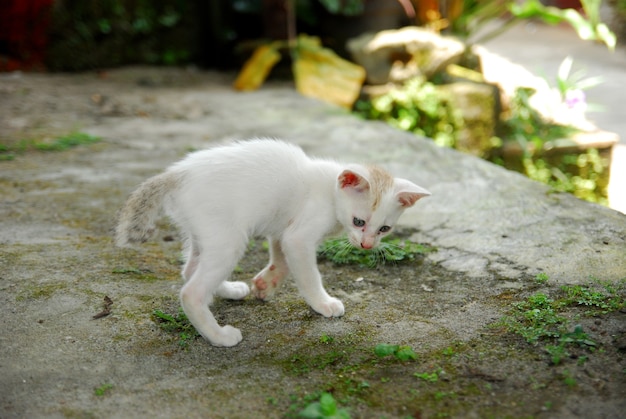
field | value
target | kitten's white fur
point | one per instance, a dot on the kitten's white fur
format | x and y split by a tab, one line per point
221	197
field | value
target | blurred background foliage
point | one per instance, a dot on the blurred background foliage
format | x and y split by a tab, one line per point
90	34
79	35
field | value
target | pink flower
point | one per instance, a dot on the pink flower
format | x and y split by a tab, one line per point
575	99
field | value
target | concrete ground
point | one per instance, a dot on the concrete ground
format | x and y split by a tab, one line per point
541	49
494	231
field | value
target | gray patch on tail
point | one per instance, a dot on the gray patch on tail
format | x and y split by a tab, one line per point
137	218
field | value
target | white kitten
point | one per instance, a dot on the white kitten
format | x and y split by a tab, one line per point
221	197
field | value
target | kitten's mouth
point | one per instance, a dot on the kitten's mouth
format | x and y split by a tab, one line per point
363	245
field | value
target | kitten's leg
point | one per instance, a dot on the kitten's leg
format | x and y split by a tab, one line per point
213	267
300	254
266	282
192	260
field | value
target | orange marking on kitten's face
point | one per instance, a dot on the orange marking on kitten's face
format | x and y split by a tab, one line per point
380	182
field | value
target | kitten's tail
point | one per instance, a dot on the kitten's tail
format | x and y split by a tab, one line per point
137	217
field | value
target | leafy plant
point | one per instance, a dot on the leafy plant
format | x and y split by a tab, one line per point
569	83
178	324
103	389
541	278
535	318
340	251
326	339
431	377
600	297
62	143
419	107
585	175
475	15
538	318
325	408
85	35
576	337
400	352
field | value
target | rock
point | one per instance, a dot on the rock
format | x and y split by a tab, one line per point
476	104
398	55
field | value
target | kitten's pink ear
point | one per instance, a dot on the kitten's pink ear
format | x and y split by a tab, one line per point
409	193
351	179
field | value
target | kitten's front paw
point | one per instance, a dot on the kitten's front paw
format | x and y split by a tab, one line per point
332	307
227	336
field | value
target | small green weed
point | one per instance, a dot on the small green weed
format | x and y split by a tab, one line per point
134	271
178	324
569	379
601	297
541	278
440	395
340	251
143	274
419	107
325	408
103	389
577	337
303	364
326	339
65	142
535	318
430	377
539	319
400	352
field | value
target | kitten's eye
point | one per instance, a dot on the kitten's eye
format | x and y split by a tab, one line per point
384	229
358	222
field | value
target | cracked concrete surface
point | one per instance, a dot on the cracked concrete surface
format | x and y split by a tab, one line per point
494	230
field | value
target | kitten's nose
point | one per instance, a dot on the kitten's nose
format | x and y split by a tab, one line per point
366	245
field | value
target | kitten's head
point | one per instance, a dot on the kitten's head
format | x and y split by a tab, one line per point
370	201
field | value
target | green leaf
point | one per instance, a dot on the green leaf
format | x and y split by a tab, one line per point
312	411
605	35
405	353
328	404
164	316
384	349
583	27
326	408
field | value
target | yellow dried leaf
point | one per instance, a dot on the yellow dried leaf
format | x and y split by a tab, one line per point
256	69
322	74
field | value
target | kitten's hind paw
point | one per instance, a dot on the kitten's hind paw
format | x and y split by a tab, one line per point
226	337
265	284
236	290
332	307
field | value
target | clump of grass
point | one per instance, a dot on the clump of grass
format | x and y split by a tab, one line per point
176	324
62	143
340	251
539	318
66	142
430	377
600	297
541	278
400	352
103	389
535	318
142	274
